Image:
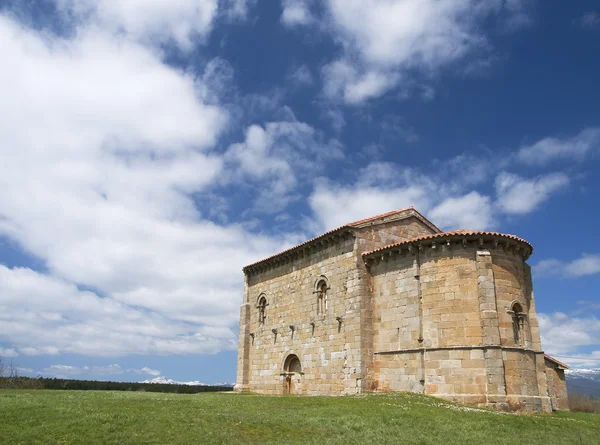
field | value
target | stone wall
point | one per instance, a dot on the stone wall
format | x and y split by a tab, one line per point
374	235
557	386
441	326
438	316
335	349
328	351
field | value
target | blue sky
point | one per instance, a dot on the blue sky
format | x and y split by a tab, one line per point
150	149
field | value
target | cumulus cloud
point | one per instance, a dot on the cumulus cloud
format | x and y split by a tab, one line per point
148	20
8	352
382	187
385	40
106	149
517	195
148	371
55	317
563	335
296	13
447	196
67	371
301	76
552	148
236	9
341	79
276	155
473	211
335	205
587	264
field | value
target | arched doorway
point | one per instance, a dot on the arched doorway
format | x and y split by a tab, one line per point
292	370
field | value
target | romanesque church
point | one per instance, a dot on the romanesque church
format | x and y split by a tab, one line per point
392	303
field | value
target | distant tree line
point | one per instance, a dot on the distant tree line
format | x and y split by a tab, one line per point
9	379
95	385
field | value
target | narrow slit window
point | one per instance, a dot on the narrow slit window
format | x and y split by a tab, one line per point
322	301
518	322
262	308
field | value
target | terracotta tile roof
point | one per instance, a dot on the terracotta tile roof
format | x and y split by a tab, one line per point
461	232
339	229
343	228
552	359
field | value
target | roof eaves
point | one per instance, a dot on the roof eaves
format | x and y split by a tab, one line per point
553	360
296	247
410	211
442	235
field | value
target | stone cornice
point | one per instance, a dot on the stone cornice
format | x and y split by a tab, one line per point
465	237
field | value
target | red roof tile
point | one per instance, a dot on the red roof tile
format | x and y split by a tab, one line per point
342	228
552	359
463	232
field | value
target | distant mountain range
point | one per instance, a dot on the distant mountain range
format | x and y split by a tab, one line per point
165	381
583	381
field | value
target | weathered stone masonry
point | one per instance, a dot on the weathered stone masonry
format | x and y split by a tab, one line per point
391	303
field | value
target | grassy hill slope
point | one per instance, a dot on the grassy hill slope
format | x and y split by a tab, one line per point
70	417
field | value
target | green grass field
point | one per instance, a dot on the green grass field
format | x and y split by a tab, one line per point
73	417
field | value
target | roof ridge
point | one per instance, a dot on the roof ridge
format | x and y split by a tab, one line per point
382	215
350	225
559	363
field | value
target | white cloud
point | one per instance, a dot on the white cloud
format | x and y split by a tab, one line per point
55	317
148	20
149	371
562	336
236	9
335	206
8	352
104	147
385	39
296	13
301	76
382	187
472	211
67	371
446	196
277	155
342	80
551	148
587	264
517	195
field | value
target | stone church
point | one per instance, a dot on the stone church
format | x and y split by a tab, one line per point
392	303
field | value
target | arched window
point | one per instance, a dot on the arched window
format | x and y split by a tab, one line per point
262	307
518	317
322	301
